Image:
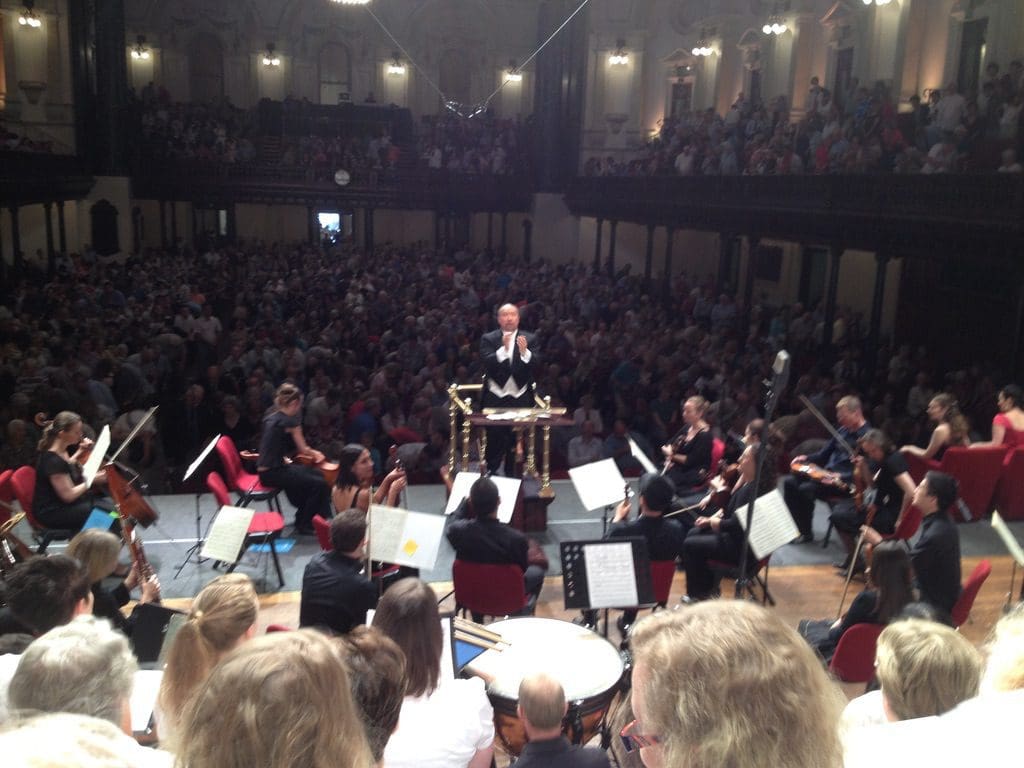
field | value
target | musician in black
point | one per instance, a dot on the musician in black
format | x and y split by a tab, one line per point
835	461
889	489
688	454
61	498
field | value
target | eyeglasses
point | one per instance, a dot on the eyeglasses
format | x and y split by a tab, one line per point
634	741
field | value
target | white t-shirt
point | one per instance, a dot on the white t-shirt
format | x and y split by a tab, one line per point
444	729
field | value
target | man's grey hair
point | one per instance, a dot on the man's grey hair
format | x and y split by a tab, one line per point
85	668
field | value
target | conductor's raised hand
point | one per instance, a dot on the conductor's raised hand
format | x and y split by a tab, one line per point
521	343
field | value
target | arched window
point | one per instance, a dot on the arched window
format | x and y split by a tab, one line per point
206	68
454	76
335	63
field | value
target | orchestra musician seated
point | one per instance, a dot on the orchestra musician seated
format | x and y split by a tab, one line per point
936	553
282	437
881	471
830	469
485	539
720	535
98	550
62	499
355	478
336	593
688	454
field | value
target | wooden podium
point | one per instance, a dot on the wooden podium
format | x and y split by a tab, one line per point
524	421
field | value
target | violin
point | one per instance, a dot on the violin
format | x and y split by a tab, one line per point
329	469
813	472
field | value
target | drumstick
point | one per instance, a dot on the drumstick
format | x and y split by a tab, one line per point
479	642
478	629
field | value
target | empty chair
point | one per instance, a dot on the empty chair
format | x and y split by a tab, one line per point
265	527
488	590
962	609
245	484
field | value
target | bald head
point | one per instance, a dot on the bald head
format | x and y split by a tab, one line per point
541	703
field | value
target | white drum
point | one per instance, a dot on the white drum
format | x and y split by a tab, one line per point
588	667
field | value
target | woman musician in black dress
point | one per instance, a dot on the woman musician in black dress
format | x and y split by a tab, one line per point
62	499
688	455
282	438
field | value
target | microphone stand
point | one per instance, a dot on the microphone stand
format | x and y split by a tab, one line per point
775	387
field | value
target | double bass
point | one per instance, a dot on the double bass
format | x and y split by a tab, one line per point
133	511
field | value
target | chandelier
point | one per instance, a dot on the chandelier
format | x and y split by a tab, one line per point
139	50
703	46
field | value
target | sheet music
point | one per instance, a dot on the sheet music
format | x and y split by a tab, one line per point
200	459
1009	540
508	493
611	574
773	524
405	537
598	484
642	457
143	698
99	454
224	541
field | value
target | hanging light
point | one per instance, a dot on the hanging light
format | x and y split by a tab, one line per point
512	74
703	46
270	58
351	2
139	50
27	17
395	66
620	57
775	25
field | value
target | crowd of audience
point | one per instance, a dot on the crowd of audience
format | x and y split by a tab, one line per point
858	131
481	145
210	335
15	142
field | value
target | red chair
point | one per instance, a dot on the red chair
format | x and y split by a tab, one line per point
23	483
322	529
907	525
6	495
962	608
662	573
245	484
1009	500
918	466
717	453
488	590
265	527
978	471
854	658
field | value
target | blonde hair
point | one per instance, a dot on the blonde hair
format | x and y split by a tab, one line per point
97	550
63	420
925	668
220	615
850	404
958	429
726	683
280	701
1004	666
286	394
699	403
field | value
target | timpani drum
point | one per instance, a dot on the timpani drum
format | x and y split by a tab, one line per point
587	665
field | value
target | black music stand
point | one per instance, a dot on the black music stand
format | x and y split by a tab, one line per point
193	551
775	387
634	570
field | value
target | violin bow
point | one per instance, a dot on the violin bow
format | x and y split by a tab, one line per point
828	425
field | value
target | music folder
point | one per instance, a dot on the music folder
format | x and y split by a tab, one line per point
606	573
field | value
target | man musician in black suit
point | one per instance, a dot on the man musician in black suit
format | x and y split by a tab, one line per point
510	359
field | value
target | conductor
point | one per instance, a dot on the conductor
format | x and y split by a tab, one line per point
509	362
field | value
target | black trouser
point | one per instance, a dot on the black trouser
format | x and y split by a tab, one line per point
701	546
305	488
800	496
846	518
71	517
501	441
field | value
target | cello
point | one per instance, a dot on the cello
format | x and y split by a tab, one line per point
133	510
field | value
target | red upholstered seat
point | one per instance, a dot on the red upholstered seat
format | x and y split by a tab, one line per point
854	659
977	470
488	590
1009	499
23	485
662	573
962	609
264	528
245	484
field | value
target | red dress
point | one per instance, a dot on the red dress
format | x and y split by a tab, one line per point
1012	437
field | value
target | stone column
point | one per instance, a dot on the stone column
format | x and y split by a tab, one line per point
51	256
597	246
61	231
835	254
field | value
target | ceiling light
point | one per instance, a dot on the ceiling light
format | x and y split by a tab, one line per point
270	58
619	57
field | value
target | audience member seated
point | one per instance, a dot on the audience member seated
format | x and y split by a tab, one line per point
727	683
376	672
542	707
889	590
936	553
336	595
720	536
279	701
222	616
83	668
98	550
586	447
74	741
923	669
951	428
445	722
485	539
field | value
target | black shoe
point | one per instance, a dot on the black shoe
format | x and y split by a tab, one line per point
303	529
582	621
842	565
622	626
804	538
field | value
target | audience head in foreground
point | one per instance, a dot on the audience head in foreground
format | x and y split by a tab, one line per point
85	668
64	740
46	592
1004	665
279	701
376	672
222	615
925	668
727	683
407	613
